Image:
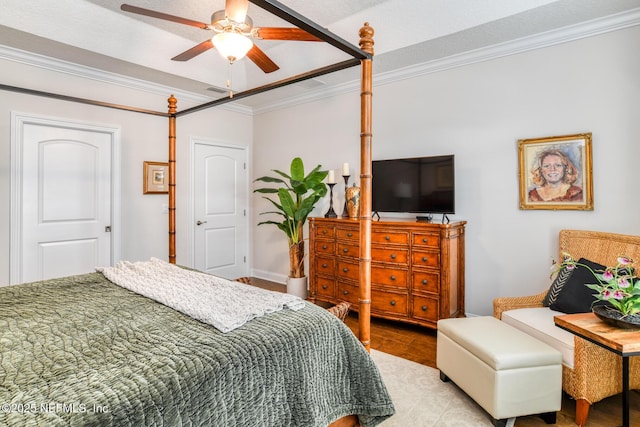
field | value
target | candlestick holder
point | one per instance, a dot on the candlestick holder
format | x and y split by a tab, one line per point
331	213
345	213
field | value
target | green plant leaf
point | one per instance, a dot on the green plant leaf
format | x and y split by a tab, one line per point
265	190
297	170
270	179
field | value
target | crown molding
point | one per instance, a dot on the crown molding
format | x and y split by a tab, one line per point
85	72
539	41
550	38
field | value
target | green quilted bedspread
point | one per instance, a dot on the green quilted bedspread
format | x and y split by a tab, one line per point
82	351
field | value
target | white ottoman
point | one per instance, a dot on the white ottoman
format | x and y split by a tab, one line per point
506	371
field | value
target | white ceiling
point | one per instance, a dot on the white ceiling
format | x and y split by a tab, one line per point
97	34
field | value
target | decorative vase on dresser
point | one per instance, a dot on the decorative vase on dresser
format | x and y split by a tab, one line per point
417	268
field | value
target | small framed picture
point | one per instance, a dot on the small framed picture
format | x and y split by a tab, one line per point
156	178
555	172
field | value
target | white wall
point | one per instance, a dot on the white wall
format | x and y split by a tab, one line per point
478	112
144	137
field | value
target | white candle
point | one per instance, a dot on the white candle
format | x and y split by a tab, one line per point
331	179
345	169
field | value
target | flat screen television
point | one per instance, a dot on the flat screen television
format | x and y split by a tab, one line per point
423	185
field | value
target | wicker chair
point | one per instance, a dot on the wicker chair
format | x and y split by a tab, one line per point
597	372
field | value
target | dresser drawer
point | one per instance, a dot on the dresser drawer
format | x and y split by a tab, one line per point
399	256
425	308
389	277
348	234
389	302
426	282
348	250
425	259
348	270
346	292
426	239
325	231
323	247
390	237
325	266
325	287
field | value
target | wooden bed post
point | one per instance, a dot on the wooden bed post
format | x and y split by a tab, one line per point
366	95
173	103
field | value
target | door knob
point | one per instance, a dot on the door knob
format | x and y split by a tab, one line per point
201	222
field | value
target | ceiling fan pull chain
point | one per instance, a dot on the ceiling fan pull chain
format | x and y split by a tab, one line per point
229	79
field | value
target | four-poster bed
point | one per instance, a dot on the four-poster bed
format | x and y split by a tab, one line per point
362	57
83	324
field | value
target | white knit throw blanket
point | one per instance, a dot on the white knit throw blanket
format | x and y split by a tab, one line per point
222	303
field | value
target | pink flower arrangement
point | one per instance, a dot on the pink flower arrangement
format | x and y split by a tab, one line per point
616	285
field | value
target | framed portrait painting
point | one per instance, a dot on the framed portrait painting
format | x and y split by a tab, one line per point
156	178
555	172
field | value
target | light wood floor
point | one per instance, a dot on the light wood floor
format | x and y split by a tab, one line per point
419	344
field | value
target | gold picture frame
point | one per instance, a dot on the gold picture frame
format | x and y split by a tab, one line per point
156	178
556	172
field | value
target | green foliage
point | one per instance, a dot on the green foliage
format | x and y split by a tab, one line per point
296	197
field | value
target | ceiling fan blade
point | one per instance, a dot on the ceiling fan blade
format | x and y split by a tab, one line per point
236	10
274	33
262	60
194	51
160	15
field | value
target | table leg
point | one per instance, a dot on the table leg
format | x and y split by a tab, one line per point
625	391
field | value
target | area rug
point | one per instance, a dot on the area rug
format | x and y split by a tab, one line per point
423	400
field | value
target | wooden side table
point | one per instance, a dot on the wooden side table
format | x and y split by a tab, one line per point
624	342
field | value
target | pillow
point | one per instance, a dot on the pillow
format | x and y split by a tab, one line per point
561	279
574	296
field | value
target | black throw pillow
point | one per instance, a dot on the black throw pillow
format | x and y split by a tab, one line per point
558	283
575	296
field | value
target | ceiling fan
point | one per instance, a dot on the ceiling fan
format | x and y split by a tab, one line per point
234	32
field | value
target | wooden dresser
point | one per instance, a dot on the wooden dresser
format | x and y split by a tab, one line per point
417	269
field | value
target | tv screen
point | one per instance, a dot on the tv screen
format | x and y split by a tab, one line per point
416	185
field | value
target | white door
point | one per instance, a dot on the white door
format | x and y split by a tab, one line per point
66	200
220	210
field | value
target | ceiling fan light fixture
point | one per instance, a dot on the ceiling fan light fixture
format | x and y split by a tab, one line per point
231	45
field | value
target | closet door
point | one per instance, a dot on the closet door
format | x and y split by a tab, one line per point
220	210
66	200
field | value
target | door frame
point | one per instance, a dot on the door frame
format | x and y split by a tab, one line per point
18	121
192	215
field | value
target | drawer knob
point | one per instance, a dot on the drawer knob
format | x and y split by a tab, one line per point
349	234
424	281
324	286
387	238
393	256
324	231
345	250
424	259
324	265
392	302
324	247
424	240
345	292
345	269
392	277
424	308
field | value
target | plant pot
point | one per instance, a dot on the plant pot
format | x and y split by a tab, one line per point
297	286
613	317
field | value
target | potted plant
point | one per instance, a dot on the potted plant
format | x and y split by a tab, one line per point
296	198
618	287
